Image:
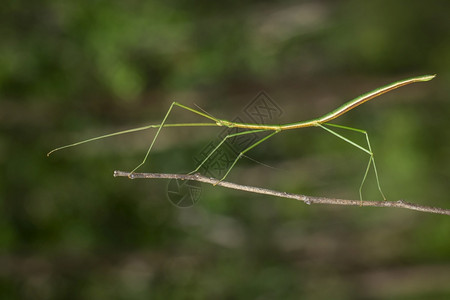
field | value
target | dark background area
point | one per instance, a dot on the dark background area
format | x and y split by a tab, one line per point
74	70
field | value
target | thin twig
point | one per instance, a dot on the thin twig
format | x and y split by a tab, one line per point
306	199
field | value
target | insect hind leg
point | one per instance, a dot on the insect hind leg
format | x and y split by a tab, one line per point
368	151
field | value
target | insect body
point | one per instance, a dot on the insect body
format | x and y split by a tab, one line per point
322	122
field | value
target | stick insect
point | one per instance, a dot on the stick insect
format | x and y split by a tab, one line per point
321	122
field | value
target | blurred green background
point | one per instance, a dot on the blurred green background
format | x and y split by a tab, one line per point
73	70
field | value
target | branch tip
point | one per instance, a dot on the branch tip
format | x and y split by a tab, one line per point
308	200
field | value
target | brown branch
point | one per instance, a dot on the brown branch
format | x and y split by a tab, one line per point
307	199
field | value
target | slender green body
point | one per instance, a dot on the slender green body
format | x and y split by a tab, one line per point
318	122
335	113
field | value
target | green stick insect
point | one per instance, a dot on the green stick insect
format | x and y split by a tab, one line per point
322	122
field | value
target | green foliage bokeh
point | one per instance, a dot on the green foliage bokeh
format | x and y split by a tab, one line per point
73	70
